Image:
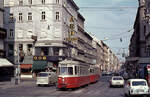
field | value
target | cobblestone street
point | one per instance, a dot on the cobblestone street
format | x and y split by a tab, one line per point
28	88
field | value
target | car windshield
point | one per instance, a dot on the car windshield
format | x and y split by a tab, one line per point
42	75
138	83
117	78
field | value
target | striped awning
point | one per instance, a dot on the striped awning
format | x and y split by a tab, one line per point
26	66
5	63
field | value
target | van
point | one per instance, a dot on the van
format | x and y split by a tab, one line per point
46	78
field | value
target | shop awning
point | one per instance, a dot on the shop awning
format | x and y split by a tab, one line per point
5	63
26	66
39	65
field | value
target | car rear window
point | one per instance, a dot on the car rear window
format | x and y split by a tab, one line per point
117	78
138	83
42	75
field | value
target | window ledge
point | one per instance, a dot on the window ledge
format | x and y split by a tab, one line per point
43	20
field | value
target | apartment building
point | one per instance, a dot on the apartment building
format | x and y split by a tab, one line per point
139	51
50	28
6	68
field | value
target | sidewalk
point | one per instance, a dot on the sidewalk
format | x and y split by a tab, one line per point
12	84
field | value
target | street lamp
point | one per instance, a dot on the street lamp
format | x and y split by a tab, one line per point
105	38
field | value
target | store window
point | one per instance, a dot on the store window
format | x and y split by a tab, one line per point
56	51
20	46
44	51
29	49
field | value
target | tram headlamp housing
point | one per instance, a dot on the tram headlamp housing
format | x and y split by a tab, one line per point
63	79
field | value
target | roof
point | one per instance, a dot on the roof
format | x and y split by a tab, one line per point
69	62
80	16
5	63
137	80
74	4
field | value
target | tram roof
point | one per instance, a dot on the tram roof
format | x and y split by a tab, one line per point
69	62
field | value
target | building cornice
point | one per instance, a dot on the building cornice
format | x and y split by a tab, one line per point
74	4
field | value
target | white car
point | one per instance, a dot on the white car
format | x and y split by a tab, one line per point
46	78
135	87
117	81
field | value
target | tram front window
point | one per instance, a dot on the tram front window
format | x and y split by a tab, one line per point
70	70
63	71
66	71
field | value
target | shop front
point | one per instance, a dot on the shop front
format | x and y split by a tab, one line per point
6	69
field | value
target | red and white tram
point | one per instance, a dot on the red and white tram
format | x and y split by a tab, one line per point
94	73
73	74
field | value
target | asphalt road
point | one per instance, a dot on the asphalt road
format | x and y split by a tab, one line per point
28	88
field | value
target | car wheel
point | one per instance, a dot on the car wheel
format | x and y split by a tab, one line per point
126	95
38	85
146	96
129	94
110	86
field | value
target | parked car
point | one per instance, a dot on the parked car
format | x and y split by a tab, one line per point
46	78
117	81
137	87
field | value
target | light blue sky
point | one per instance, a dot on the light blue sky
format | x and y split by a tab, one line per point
110	18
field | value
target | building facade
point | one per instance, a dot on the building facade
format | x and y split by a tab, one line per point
50	28
139	51
6	68
2	30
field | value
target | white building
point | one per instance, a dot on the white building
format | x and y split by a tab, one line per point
51	22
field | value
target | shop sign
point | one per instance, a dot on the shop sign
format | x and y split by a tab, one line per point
39	58
71	33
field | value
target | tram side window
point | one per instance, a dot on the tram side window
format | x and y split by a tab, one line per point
70	70
76	70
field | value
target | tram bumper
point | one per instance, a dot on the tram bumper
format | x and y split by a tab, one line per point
62	85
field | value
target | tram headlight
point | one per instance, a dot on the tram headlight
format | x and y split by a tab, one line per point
63	79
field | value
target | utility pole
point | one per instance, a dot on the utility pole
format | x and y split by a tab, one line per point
17	75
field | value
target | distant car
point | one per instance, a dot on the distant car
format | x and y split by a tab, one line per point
117	81
137	87
46	78
125	76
